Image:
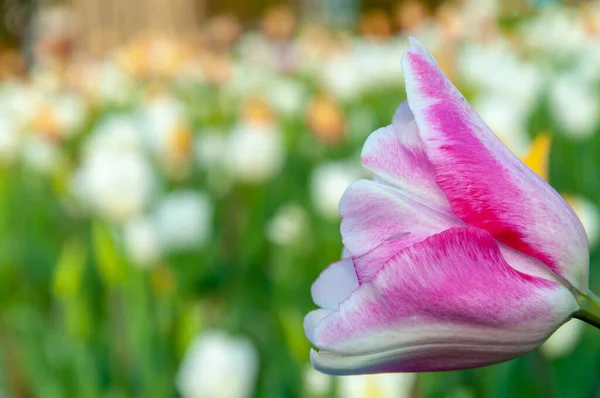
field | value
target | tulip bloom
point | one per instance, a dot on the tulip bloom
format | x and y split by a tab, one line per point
456	254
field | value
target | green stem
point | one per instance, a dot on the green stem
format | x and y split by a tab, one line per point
589	309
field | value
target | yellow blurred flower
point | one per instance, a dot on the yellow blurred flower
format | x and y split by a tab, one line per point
45	123
180	143
257	111
539	155
132	59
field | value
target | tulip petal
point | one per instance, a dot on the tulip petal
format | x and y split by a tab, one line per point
488	186
335	284
377	216
449	302
395	154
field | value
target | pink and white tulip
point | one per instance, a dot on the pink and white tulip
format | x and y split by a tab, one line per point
457	255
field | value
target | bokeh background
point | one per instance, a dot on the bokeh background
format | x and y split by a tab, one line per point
170	172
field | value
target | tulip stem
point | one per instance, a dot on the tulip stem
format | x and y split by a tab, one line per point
589	309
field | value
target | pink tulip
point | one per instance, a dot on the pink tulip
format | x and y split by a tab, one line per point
456	254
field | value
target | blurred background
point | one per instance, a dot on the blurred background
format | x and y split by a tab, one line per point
171	169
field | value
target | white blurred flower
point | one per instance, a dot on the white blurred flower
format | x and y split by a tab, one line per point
57	116
41	155
45	78
317	384
210	149
142	242
476	14
108	83
587	63
9	138
183	220
160	118
115	178
259	51
168	134
341	77
217	365
256	152
20	101
589	215
564	340
247	80
286	95
117	132
496	68
367	66
287	226
116	184
328	183
574	104
70	111
506	118
387	385
556	31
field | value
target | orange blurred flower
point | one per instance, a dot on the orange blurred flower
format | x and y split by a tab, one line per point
11	64
410	15
279	23
447	17
217	68
591	20
376	24
222	32
325	118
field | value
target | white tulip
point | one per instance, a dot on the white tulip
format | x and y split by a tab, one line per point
328	183
142	242
317	384
183	220
9	138
117	184
387	385
564	340
287	226
256	152
507	118
575	105
589	215
115	178
41	155
210	149
217	365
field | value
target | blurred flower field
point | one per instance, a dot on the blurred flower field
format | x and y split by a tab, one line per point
165	209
